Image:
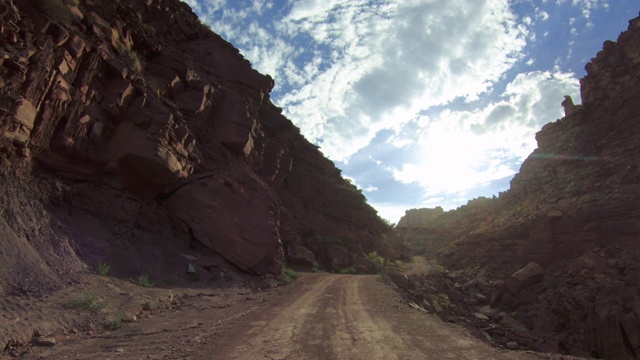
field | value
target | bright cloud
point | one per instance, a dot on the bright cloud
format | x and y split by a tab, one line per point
397	59
465	149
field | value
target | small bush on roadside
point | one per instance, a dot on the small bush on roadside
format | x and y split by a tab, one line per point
115	323
288	275
315	270
90	302
144	281
399	264
374	259
347	270
147	305
103	268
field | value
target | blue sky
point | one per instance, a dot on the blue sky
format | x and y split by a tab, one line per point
421	103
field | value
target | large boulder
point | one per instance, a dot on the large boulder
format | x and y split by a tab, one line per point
298	254
235	218
523	278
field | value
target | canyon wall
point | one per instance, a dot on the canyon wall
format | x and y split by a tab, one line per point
131	133
571	211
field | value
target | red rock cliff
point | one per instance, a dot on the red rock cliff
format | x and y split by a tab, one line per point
127	127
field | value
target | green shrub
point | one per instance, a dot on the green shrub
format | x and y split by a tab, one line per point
144	281
288	275
399	264
90	302
115	323
147	305
374	259
102	268
315	270
347	270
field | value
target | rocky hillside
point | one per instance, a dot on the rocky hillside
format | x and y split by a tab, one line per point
571	216
131	134
428	231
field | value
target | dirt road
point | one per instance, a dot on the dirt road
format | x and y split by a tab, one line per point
354	317
320	316
419	265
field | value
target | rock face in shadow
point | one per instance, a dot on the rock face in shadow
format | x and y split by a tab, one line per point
134	119
572	209
427	231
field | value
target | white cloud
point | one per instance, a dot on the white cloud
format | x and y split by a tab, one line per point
400	142
455	159
313	9
588	6
465	149
542	15
392	60
392	211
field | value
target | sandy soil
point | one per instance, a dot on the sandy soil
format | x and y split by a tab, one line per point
319	316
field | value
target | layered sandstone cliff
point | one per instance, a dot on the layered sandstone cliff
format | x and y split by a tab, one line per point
129	133
572	211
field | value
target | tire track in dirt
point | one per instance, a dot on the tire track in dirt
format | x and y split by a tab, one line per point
356	318
279	338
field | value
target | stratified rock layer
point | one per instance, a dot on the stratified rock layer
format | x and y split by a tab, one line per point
572	209
135	133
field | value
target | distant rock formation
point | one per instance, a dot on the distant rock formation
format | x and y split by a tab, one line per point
428	231
420	217
568	105
572	209
129	132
